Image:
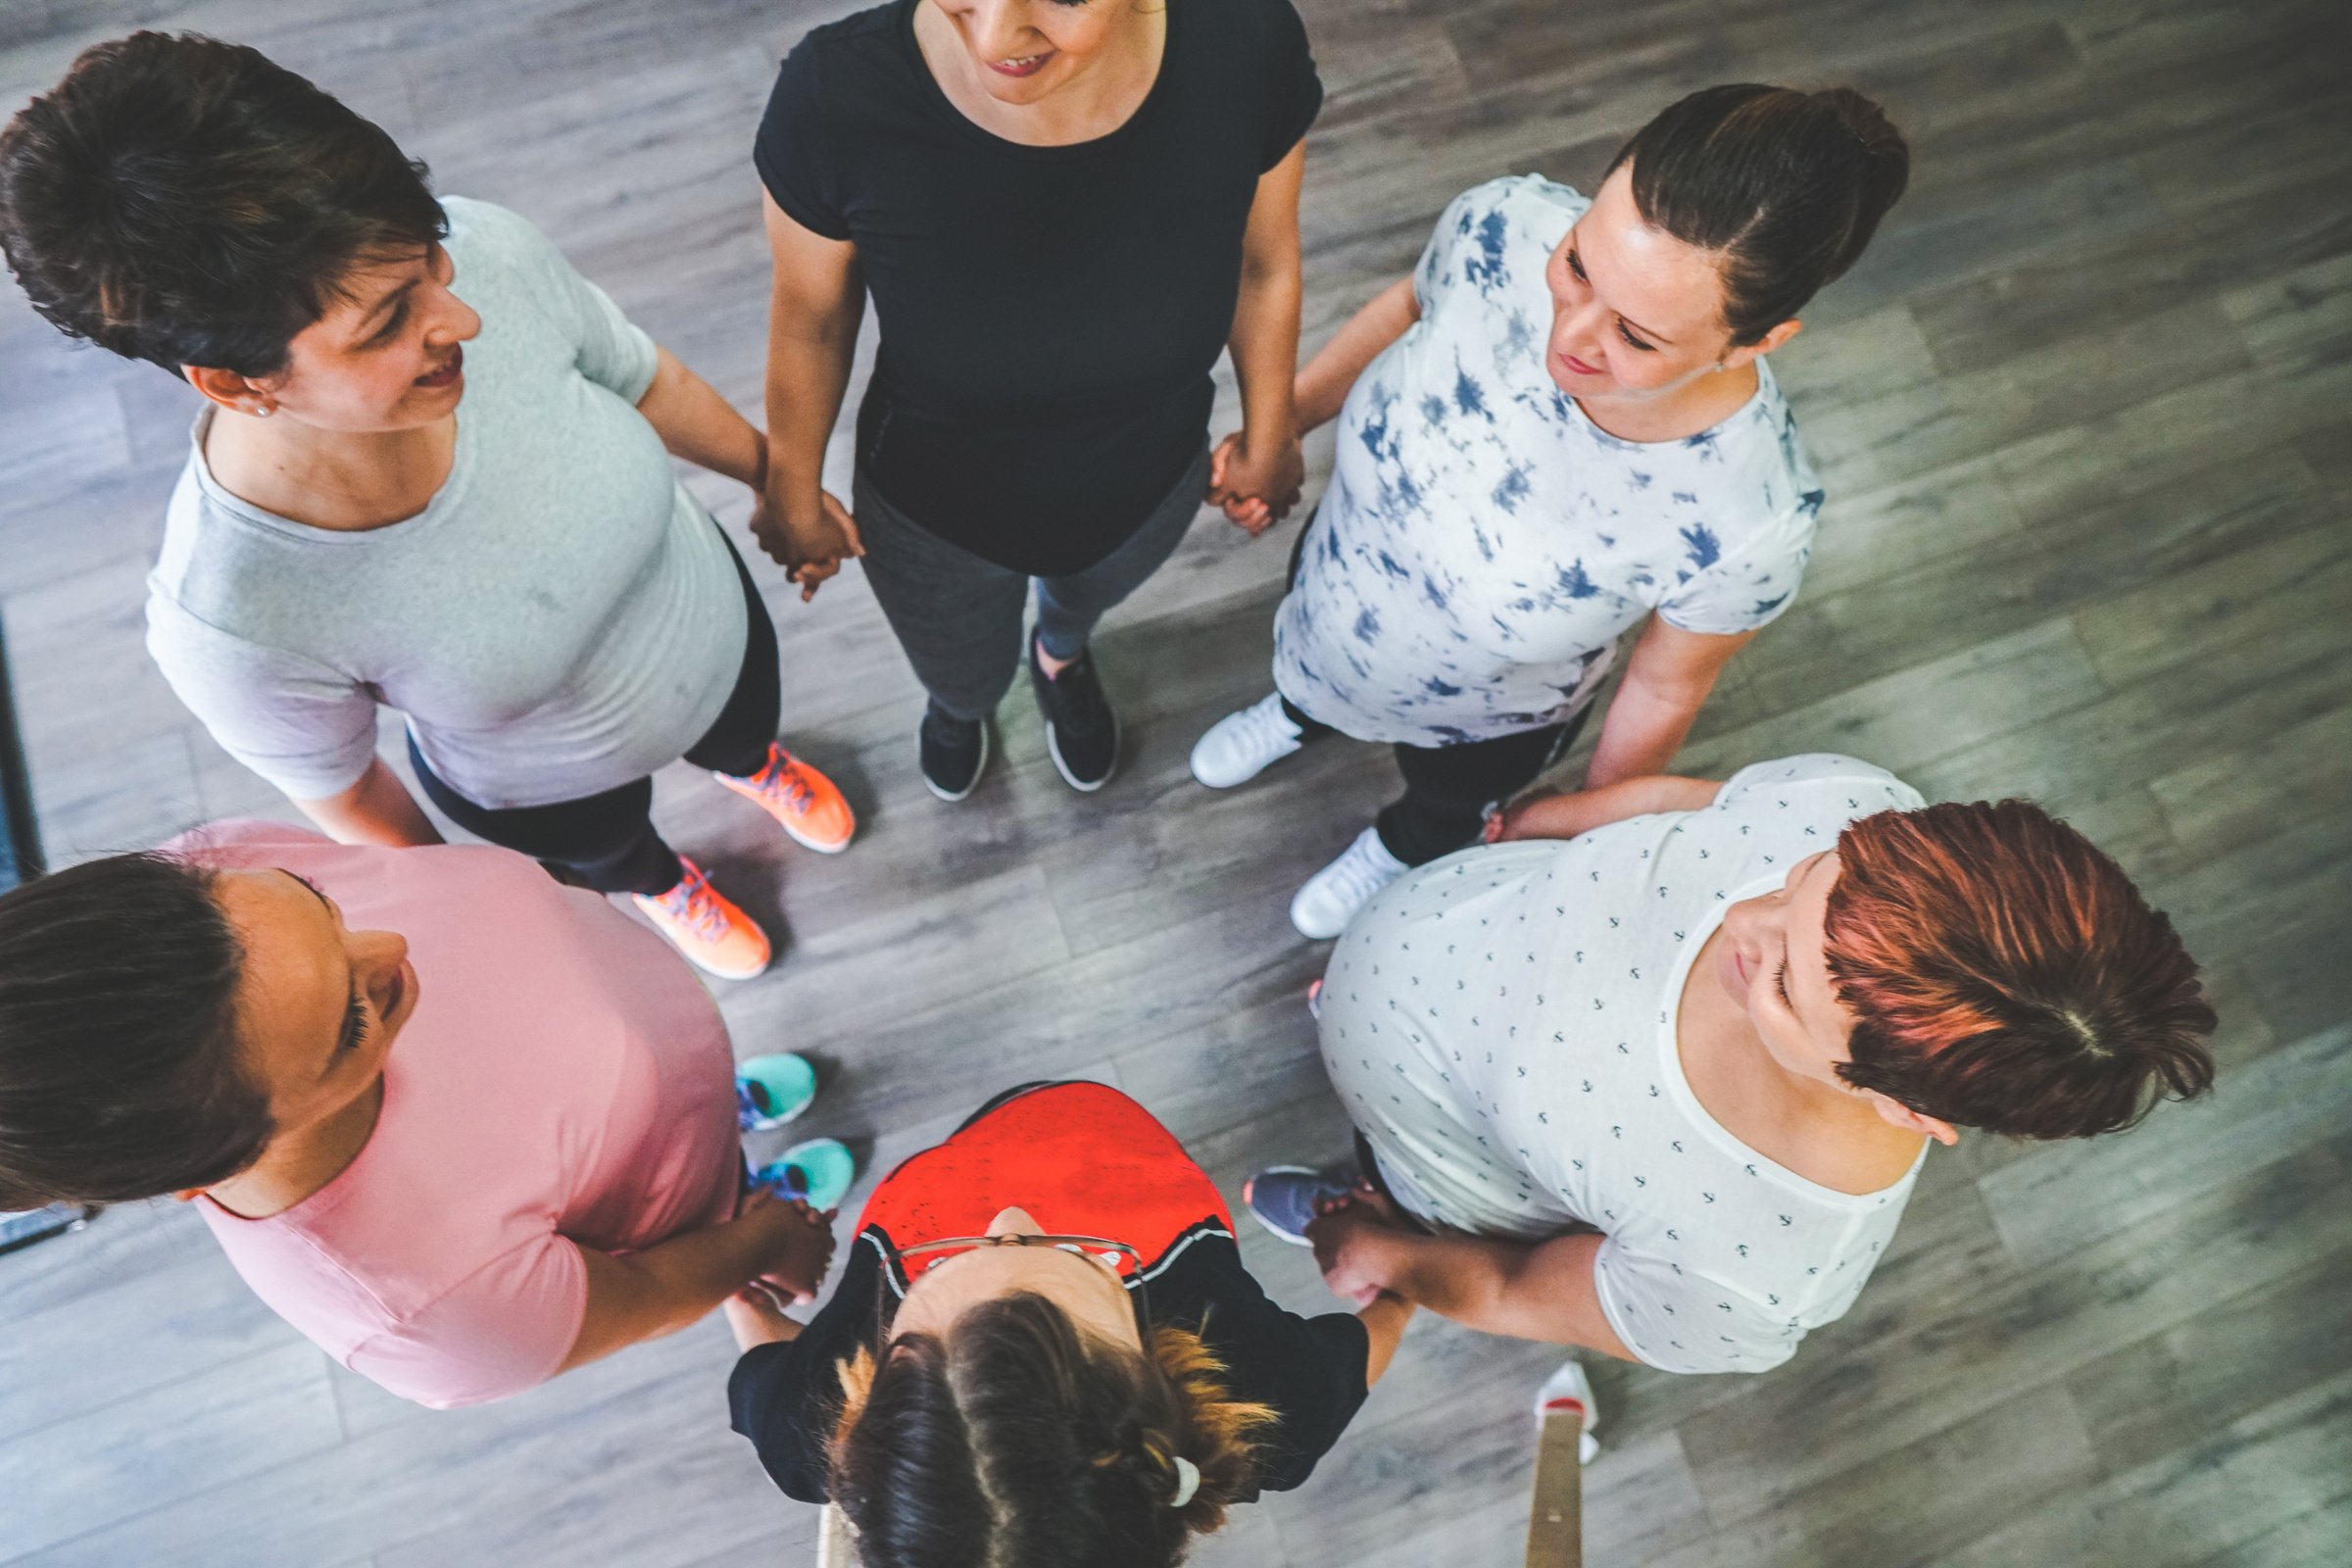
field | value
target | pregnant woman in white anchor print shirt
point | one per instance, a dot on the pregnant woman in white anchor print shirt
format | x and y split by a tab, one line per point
1720	1025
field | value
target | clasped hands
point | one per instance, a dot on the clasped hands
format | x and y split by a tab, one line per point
792	1246
1355	1241
1256	485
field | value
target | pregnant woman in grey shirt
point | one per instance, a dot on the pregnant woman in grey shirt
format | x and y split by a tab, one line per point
433	474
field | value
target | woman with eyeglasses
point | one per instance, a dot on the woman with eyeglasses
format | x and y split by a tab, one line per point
1046	1350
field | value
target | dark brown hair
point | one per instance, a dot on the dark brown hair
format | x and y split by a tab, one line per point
2006	974
120	1076
1785	187
185	201
1018	1441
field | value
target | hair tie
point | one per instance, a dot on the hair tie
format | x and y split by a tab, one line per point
1188	1480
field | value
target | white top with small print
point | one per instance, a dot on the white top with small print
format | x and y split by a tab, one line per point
1500	1025
1483	544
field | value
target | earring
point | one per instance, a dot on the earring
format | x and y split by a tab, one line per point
263	411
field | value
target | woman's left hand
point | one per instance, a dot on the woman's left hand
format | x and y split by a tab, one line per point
755	1318
1256	488
1351	1242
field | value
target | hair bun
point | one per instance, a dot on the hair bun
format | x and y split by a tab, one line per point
1885	159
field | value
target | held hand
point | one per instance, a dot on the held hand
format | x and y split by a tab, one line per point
1349	1241
792	1243
809	550
1257	489
755	1318
1509	822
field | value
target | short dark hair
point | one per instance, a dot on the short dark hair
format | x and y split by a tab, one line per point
120	1068
1017	1438
2004	973
1787	187
185	201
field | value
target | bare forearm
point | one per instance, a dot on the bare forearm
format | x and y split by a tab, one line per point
1564	816
378	810
807	372
1645	727
642	1296
1265	349
696	423
1323	384
1384	1320
1527	1291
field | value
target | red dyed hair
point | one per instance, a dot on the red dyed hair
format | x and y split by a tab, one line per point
2004	973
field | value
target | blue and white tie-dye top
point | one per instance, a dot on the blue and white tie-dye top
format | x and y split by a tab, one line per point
1483	543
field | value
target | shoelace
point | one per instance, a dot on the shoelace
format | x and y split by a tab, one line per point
1357	876
694	903
782	776
1082	698
1266	727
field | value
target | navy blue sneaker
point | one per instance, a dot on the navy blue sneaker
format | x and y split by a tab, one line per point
1285	1199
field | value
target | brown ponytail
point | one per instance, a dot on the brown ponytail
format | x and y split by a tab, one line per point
1785	187
1016	1439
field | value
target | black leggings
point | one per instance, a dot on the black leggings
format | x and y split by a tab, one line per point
608	840
1448	788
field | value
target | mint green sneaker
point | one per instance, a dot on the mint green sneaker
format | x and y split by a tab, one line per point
770	1090
819	1172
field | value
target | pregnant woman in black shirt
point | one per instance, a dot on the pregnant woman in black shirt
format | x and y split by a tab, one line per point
1064	210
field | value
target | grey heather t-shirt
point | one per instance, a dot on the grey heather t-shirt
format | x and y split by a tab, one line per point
562	618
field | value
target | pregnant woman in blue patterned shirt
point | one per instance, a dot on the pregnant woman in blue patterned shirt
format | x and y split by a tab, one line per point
1559	426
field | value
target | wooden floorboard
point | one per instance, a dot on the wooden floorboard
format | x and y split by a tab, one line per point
2084	414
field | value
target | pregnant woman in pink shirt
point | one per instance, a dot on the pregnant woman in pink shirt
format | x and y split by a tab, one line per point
462	1126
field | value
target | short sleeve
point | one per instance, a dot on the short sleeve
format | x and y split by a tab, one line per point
1868	788
305	727
1297	89
504	1328
784	1397
1687	1321
793	151
607	346
1750	587
1310	1369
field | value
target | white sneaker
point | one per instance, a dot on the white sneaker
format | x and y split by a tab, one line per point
1241	745
1332	895
1569	1391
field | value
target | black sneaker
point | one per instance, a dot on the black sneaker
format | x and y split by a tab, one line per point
954	752
1081	730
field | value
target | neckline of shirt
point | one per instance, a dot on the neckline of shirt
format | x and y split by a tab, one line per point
1767	392
461	468
1686	1099
936	96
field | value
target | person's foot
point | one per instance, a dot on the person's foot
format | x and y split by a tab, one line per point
715	936
1568	1392
770	1091
1243	745
803	802
819	1172
952	752
1331	896
1285	1199
1081	731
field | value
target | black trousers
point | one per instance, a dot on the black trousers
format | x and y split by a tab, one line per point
1448	788
608	839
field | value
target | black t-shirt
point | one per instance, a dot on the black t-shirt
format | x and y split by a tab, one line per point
1049	314
1087	1160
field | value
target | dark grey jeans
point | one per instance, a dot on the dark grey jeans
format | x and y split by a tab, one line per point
958	615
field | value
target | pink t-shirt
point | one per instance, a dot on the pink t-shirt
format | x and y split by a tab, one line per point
564	1075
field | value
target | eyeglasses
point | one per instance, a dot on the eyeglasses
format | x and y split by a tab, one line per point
1098	1249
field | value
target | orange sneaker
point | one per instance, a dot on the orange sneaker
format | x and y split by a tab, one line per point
713	934
807	804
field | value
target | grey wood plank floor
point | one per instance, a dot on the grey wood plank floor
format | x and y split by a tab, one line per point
2086	418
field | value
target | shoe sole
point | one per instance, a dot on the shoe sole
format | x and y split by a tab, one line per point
715	971
790	832
768	1124
1054	750
1248	1197
979	771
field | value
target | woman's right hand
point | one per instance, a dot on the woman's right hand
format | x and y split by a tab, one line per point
791	1244
810	549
